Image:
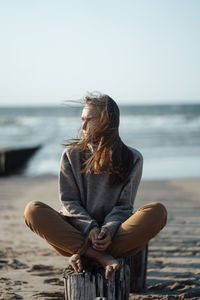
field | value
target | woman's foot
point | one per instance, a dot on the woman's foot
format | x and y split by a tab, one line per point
109	263
75	262
111	266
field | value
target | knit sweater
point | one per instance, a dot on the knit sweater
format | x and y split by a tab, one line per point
89	201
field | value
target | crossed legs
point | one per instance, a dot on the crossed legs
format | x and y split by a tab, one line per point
131	236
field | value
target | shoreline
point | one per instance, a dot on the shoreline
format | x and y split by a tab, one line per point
53	176
31	269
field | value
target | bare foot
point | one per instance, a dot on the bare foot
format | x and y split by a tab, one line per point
110	264
106	260
75	262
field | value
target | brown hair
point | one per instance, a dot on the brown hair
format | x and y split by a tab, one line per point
110	155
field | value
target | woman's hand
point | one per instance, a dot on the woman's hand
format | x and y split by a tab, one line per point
103	240
93	235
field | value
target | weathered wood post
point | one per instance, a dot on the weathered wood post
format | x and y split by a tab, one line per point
138	269
91	284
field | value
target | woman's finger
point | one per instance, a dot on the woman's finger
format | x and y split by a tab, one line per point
103	242
99	248
101	235
103	248
100	243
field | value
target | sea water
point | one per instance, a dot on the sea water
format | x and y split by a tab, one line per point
168	136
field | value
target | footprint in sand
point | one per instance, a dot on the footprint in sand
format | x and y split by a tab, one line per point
2	263
9	296
12	264
43	270
46	295
54	281
6	288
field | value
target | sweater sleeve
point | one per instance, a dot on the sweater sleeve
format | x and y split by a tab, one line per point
124	207
69	195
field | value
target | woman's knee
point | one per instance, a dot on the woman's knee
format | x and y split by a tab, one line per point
32	209
157	211
160	212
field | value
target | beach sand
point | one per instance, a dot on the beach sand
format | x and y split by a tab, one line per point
31	269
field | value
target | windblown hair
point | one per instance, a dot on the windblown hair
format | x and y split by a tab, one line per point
110	155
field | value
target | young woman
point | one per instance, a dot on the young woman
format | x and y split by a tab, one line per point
98	181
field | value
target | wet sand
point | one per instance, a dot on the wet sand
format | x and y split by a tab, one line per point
31	269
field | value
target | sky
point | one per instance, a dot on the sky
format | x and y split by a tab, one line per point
136	51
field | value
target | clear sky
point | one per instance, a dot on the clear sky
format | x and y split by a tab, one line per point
137	51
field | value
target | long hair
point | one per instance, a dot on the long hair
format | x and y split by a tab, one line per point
110	155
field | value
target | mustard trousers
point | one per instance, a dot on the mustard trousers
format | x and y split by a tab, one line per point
131	236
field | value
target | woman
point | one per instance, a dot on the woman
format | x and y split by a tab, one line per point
98	182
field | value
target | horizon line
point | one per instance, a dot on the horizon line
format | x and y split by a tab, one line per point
170	103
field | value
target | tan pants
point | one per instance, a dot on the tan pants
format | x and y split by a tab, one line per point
131	236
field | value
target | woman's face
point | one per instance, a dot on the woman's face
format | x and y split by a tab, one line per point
90	118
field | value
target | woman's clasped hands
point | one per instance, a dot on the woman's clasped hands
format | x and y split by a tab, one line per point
100	239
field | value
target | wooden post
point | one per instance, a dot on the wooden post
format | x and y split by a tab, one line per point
138	269
91	284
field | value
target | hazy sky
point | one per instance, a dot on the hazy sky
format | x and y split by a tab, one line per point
142	51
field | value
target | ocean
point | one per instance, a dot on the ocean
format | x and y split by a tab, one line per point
168	136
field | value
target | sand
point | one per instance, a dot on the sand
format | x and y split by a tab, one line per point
31	269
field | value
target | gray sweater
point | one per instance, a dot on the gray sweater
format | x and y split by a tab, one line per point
88	200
